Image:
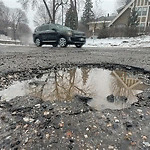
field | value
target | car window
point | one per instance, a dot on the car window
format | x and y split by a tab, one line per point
44	27
52	26
62	27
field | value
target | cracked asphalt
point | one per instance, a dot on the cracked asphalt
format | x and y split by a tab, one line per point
20	58
29	123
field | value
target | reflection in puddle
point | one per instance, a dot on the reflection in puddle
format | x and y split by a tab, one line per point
95	83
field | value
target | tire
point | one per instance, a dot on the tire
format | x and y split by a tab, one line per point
62	42
79	45
38	42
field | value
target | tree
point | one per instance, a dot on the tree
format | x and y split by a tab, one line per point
54	3
72	17
133	23
97	9
88	14
133	19
41	16
24	33
4	19
17	17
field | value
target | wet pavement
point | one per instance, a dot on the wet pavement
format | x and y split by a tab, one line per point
54	99
105	89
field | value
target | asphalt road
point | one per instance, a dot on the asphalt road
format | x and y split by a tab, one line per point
14	58
30	123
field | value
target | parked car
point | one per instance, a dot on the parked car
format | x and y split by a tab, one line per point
55	34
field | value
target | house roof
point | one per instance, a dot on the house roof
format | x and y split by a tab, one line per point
99	22
121	12
101	19
106	18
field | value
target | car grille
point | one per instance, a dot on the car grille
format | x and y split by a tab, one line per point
78	34
78	39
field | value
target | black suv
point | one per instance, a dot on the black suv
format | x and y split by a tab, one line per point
55	34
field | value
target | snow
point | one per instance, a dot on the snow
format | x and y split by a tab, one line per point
141	41
5	40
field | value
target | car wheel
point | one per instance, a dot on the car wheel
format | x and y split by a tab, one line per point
63	42
55	45
38	42
79	45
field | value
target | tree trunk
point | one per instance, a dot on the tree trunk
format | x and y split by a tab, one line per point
54	12
74	6
48	11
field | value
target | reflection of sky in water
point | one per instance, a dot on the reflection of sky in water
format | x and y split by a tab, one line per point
96	83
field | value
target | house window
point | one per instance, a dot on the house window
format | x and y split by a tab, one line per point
138	3
144	11
138	19
142	2
143	19
139	11
146	2
142	25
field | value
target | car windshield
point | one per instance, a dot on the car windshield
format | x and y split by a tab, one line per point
62	27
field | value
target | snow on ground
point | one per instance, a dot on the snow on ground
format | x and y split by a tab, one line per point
4	38
141	41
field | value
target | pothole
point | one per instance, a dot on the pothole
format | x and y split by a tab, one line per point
104	88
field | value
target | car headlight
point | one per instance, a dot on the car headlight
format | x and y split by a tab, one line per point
69	33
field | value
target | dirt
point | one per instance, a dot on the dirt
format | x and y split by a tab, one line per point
29	123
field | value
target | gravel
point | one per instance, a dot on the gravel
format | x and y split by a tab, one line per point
29	123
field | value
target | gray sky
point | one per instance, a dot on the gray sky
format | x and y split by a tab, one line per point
108	6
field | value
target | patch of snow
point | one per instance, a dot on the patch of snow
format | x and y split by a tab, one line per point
4	38
13	45
141	41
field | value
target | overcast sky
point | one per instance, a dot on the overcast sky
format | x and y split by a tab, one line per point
108	6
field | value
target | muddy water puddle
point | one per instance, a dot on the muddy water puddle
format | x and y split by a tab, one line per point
108	89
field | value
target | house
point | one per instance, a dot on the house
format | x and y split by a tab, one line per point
121	20
143	9
100	23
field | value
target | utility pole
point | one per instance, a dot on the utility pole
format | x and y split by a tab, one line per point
62	4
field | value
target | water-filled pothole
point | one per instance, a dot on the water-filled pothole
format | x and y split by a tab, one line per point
108	89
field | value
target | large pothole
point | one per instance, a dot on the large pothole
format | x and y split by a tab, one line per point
101	88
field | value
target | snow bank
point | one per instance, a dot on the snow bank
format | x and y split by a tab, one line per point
141	41
5	40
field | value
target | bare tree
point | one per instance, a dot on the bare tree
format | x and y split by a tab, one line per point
51	11
24	33
17	17
4	19
97	9
41	16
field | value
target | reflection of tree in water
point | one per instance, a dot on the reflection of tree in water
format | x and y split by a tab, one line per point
63	85
85	75
124	85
